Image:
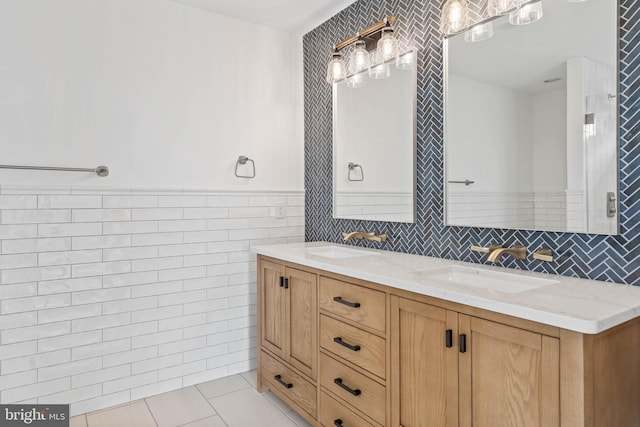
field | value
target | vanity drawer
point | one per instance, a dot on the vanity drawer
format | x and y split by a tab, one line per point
333	414
289	384
364	306
367	395
361	348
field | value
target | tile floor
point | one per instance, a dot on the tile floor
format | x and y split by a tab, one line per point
226	402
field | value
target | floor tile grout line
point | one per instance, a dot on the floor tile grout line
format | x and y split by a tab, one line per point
224	394
151	412
211	405
200	419
264	395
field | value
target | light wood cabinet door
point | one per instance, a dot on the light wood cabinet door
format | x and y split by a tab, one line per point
301	320
424	369
272	308
509	377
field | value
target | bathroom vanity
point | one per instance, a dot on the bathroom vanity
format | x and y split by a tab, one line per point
358	337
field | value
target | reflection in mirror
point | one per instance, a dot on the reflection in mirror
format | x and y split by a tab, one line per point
374	147
531	119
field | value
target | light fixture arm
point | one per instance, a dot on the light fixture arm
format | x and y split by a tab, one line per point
370	34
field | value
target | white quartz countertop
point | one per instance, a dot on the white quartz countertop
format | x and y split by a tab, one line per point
579	305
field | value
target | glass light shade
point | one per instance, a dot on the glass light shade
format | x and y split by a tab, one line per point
387	47
406	61
380	71
500	7
527	14
478	33
357	80
359	58
455	16
337	68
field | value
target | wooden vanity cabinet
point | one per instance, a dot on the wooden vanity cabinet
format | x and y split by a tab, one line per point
362	354
449	369
288	353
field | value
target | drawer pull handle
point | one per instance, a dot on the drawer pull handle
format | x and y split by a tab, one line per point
286	283
345	302
281	281
463	343
337	422
344	344
281	381
449	338
356	392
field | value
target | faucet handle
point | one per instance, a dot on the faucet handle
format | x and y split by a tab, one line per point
488	250
543	254
380	238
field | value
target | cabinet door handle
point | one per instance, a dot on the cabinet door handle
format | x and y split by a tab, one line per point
281	381
344	344
286	283
339	383
337	422
281	281
345	302
463	343
449	338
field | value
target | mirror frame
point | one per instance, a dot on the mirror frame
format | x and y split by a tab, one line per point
445	95
414	151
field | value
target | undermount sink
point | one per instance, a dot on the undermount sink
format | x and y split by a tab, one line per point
485	279
335	252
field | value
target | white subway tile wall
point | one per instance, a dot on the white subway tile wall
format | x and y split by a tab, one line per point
375	206
536	210
107	296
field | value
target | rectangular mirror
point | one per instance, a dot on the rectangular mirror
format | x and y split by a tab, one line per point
531	122
374	148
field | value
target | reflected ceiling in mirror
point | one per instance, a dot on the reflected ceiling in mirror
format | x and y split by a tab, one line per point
531	119
374	166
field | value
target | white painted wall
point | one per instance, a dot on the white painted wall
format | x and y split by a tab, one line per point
489	132
374	127
147	285
549	141
164	94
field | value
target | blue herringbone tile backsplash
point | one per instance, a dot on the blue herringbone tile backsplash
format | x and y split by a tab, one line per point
611	258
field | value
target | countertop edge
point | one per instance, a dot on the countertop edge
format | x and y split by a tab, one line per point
590	327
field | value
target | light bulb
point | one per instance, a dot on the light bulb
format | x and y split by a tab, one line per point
455	16
478	33
380	71
357	80
337	68
527	14
387	47
406	61
359	58
500	7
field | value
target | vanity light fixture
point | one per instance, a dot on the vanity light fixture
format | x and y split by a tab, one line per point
387	47
359	58
500	7
479	32
455	16
380	37
527	14
337	68
359	63
380	71
406	61
357	80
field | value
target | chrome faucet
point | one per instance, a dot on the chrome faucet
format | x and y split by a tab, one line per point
381	238
518	252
